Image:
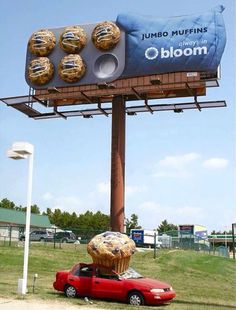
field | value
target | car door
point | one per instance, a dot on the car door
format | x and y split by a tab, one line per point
34	236
81	279
107	287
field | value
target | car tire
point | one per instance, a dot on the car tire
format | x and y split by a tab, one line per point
70	291
135	298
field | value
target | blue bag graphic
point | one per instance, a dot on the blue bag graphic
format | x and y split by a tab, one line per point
185	43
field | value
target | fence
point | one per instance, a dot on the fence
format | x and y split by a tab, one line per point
13	234
175	239
10	235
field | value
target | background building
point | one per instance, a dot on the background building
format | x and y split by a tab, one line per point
12	223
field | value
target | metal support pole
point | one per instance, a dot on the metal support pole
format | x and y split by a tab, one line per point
233	240
155	246
117	165
10	233
54	239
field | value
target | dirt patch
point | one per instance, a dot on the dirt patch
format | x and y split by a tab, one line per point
9	304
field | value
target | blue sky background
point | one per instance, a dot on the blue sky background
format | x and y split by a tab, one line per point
179	167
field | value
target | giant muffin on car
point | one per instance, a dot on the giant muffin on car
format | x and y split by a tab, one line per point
111	249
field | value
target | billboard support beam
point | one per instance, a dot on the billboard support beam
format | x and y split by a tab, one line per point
117	164
147	106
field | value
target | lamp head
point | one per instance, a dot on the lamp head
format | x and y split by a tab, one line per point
14	155
23	148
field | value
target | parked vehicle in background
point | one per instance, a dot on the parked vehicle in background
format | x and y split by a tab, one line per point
38	235
87	280
65	237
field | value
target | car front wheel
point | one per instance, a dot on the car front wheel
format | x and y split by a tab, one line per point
70	291
136	299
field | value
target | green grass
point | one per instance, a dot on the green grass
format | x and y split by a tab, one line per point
201	281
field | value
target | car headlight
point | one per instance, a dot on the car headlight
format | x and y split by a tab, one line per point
157	290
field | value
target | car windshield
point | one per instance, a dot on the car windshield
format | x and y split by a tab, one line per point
130	274
75	269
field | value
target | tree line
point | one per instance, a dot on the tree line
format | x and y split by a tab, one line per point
87	221
64	219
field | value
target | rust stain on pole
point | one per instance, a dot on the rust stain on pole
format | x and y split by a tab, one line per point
117	164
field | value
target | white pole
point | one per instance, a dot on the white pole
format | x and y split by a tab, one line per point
27	224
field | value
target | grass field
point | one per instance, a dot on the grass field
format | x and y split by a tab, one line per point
201	281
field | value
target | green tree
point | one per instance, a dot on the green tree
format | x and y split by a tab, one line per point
7	204
101	221
132	223
56	217
34	209
49	213
165	227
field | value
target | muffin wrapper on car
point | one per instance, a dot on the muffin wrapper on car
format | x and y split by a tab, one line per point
118	265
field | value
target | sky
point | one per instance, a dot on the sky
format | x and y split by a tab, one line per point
179	166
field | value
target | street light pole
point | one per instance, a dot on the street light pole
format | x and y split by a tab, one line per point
27	224
23	150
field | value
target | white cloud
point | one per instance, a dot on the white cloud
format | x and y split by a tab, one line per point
215	163
132	190
176	166
67	203
47	196
151	214
178	162
150	206
187	211
103	188
172	174
64	203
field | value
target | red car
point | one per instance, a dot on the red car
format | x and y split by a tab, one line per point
86	280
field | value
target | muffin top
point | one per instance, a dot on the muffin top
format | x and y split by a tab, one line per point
40	70
106	35
42	42
73	39
111	245
71	68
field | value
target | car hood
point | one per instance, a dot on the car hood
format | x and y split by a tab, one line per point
148	283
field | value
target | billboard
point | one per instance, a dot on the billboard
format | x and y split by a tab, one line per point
186	229
137	236
199	231
129	47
